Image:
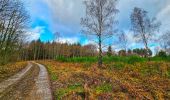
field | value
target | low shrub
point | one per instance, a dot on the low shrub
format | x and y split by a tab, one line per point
77	59
168	74
109	59
134	59
162	54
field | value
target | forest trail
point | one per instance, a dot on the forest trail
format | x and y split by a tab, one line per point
31	83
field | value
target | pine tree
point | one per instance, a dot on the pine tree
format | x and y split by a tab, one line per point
109	52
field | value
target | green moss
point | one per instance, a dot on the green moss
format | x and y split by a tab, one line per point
168	74
53	75
77	88
60	93
74	86
104	88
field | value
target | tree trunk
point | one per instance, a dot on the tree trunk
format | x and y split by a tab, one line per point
147	51
100	54
147	54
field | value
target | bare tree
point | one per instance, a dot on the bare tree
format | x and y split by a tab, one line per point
99	21
123	41
165	42
56	47
144	28
57	36
13	21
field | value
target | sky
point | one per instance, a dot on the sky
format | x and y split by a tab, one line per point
63	16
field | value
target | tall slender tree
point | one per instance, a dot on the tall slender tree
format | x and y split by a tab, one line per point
144	28
109	51
99	21
56	48
123	41
165	42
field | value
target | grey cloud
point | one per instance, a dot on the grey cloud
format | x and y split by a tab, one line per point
66	12
69	12
154	7
164	17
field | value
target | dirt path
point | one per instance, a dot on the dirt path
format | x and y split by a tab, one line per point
32	83
5	85
42	90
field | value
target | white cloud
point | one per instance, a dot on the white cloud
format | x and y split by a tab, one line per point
66	16
34	34
68	40
131	41
90	42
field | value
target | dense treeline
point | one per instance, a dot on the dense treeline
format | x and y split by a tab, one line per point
14	22
37	50
140	52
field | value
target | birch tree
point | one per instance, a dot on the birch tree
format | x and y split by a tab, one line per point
123	41
99	21
165	42
144	27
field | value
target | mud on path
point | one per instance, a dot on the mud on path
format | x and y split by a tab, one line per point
42	89
21	89
31	83
10	82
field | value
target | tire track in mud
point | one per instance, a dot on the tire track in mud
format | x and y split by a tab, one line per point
9	83
32	83
42	90
21	89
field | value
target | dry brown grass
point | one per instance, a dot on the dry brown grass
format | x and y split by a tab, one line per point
10	69
77	81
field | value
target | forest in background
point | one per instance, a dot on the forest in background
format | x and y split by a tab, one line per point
14	21
87	72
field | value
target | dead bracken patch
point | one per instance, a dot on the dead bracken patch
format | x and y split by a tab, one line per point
138	81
